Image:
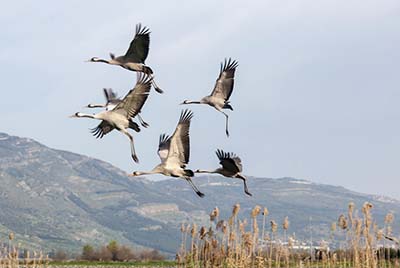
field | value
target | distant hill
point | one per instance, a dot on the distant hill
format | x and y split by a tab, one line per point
56	199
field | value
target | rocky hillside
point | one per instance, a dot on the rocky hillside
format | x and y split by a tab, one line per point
56	199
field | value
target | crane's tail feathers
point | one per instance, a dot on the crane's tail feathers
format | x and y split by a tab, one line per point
134	126
189	172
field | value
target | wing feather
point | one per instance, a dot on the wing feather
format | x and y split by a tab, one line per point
139	46
229	161
102	129
133	102
163	147
179	143
111	98
109	94
224	85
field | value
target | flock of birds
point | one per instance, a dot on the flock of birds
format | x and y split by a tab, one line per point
174	150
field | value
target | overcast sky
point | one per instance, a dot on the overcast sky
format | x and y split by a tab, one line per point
316	96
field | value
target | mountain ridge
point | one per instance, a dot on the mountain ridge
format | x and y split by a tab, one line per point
57	199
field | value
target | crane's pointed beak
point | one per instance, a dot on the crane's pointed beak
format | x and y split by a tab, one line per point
73	116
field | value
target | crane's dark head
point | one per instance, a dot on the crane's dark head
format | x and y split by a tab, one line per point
90	106
75	115
135	173
94	59
185	102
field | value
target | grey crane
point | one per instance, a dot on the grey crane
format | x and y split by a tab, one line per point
120	117
111	101
135	56
174	153
231	167
219	98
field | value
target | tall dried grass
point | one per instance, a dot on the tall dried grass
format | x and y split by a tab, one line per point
235	243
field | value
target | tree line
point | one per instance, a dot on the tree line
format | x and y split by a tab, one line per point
113	251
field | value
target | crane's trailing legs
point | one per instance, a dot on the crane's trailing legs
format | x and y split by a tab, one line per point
246	190
133	153
226	123
189	180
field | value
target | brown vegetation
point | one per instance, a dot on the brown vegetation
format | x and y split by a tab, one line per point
115	252
239	243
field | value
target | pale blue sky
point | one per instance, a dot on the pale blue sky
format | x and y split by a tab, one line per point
316	96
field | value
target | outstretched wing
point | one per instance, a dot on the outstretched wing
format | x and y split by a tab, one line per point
139	47
224	85
111	98
229	161
133	102
163	147
179	143
109	94
102	129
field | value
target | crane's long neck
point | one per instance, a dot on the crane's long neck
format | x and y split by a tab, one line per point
207	171
96	105
101	60
141	173
192	102
83	115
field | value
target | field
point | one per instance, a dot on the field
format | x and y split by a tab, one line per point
355	241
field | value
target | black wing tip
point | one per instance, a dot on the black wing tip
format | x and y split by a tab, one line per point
163	138
143	78
142	30
97	132
186	115
225	155
220	154
229	64
109	94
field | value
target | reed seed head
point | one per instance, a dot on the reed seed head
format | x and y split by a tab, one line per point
389	218
379	234
265	212
342	222
274	226
235	210
255	211
193	231
285	224
203	232
214	214
367	208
